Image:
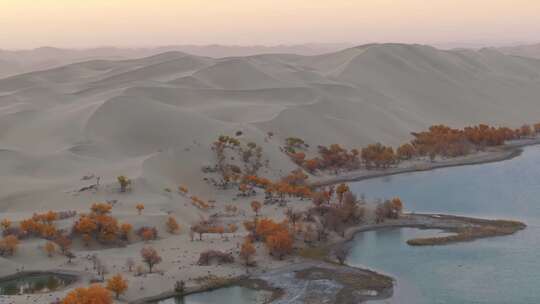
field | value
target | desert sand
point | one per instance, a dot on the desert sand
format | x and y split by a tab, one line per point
13	62
531	51
153	119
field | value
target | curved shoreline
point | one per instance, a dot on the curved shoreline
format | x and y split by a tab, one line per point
263	281
241	281
497	154
443	222
447	223
73	277
32	273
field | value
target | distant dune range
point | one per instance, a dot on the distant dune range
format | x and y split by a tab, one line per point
14	62
532	51
154	118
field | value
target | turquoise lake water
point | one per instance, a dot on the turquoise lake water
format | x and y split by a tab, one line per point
501	270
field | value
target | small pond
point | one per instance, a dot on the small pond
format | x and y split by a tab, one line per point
226	295
34	283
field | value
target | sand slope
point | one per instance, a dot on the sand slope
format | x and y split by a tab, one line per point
154	118
14	62
532	51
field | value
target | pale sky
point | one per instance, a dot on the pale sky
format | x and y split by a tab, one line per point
91	23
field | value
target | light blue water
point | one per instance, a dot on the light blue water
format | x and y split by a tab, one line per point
500	270
228	295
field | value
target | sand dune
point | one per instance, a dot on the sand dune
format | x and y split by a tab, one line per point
154	118
24	61
237	74
532	51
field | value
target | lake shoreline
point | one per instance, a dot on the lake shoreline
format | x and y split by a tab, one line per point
448	223
266	281
357	284
445	222
240	281
492	155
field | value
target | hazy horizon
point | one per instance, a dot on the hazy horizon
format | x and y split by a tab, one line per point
315	45
29	24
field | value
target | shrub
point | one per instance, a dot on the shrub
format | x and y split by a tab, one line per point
117	284
94	294
8	245
172	225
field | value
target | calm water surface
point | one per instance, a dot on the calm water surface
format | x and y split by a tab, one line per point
229	295
499	270
34	284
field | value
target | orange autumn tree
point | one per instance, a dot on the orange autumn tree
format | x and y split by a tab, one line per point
340	190
218	229
247	251
8	245
405	152
85	225
148	233
250	226
333	157
390	209
280	243
48	217
172	225
48	231
183	190
378	156
449	142
50	249
6	224
41	225
94	294
125	230
232	228
117	284
98	224
243	188
256	207
140	208
295	178
101	208
396	207
312	165
267	227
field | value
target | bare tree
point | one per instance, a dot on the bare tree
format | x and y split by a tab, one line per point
130	263
341	254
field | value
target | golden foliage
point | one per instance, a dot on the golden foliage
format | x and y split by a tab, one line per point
117	284
247	251
8	245
280	243
6	224
94	294
50	249
140	208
